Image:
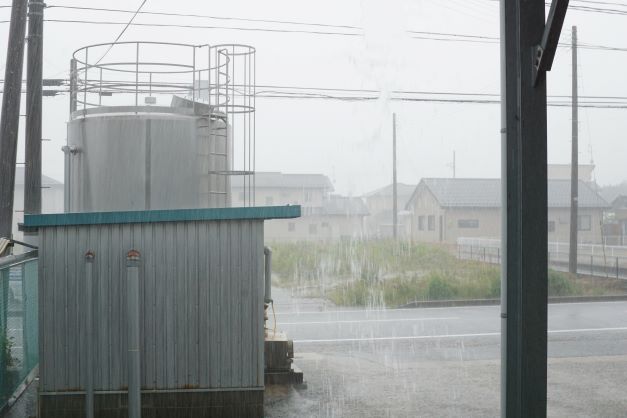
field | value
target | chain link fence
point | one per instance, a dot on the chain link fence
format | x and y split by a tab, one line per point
18	322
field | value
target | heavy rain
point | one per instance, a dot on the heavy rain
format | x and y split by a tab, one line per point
332	209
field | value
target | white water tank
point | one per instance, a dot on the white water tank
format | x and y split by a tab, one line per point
146	158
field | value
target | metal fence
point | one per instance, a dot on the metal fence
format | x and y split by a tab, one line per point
18	323
593	259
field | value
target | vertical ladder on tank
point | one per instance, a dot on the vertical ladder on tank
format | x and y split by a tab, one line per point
213	161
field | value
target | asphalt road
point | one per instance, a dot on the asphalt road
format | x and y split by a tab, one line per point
444	361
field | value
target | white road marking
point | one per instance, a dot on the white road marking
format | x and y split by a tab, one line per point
414	337
358	321
378	311
432	337
386	310
563	331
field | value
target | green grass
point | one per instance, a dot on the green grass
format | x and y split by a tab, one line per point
388	273
308	262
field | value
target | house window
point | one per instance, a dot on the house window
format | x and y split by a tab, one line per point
291	227
325	224
584	222
307	196
468	223
313	229
431	222
242	195
269	201
421	223
551	226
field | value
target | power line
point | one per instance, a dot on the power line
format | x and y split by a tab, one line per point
316	24
123	30
194	15
602	2
421	35
591	9
323	91
182	26
431	36
487	98
599	105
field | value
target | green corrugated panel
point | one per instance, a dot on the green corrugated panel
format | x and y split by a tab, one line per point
4	337
18	326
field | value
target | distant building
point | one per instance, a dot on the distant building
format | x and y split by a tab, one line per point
324	215
445	209
380	205
616	222
51	198
563	172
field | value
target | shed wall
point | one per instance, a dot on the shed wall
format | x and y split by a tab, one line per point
201	291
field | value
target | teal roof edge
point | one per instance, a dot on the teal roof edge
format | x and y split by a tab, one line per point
151	216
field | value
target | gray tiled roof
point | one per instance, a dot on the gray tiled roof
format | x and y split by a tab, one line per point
486	193
620	202
45	180
402	188
341	205
290	181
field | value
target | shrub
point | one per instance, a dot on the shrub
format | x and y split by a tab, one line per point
561	284
440	287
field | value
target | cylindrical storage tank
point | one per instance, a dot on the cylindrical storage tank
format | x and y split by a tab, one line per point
145	160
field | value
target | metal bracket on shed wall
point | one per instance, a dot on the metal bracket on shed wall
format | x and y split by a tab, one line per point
545	52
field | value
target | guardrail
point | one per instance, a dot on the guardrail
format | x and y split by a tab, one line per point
19	349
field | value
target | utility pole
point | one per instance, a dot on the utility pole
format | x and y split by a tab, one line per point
34	81
10	116
454	166
394	182
574	164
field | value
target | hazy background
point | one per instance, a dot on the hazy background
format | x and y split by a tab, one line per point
351	140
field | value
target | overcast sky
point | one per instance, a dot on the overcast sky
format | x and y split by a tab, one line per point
351	141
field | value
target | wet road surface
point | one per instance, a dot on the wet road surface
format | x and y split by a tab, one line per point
443	361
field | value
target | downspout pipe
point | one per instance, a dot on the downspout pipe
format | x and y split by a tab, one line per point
267	251
132	289
89	327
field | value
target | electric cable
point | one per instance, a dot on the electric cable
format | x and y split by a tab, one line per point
130	22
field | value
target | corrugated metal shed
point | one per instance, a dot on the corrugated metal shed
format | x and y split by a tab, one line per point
201	292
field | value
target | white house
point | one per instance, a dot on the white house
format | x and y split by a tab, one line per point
324	215
51	198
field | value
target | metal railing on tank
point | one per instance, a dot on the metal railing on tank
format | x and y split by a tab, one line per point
19	347
215	82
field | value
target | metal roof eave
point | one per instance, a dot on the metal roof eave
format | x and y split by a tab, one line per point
152	216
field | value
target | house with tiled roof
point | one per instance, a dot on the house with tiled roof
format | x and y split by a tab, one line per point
51	198
324	214
380	204
445	209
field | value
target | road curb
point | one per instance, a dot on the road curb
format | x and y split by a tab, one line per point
492	302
